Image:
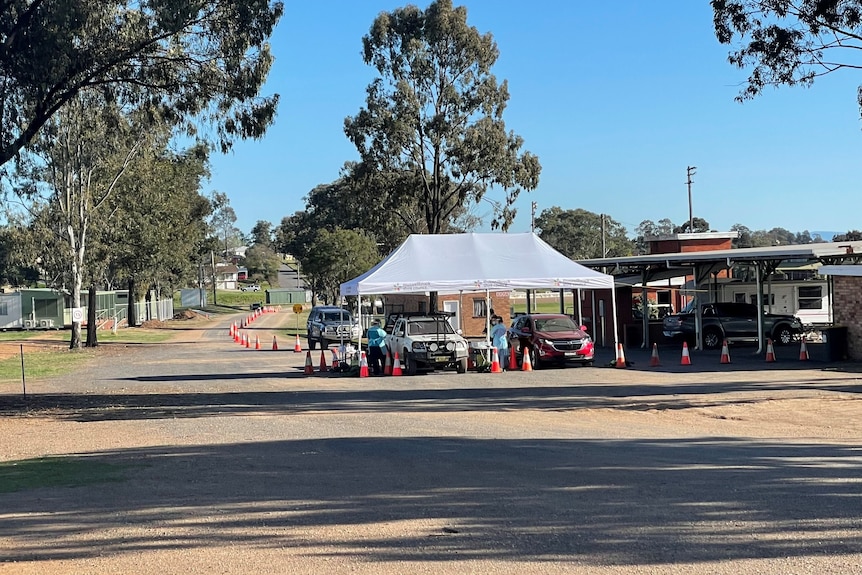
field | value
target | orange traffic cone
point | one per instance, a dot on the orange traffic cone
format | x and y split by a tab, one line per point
335	365
686	359
513	362
274	344
256	342
803	351
236	335
653	360
297	347
387	365
526	364
495	362
621	356
725	353
247	341
770	351
396	365
363	365
470	363
323	367
230	329
309	368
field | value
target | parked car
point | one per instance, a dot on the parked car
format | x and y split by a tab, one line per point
550	338
732	322
253	287
427	341
330	324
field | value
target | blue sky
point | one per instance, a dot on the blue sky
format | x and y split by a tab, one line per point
615	98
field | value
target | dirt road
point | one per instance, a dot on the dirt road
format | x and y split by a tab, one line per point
230	460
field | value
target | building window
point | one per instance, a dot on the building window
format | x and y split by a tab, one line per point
479	307
4	308
810	297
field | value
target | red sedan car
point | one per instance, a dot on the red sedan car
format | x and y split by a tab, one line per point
550	338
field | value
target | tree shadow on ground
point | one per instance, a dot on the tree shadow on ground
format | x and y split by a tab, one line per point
600	502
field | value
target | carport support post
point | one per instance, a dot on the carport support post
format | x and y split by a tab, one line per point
759	283
645	315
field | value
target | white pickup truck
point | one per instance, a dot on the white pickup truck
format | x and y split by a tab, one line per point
427	342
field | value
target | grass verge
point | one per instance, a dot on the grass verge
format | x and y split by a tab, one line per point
57	472
41	363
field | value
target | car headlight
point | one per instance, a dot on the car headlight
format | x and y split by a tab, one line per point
586	339
418	346
460	345
450	346
433	346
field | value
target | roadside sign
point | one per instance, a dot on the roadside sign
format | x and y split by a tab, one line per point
297	308
77	315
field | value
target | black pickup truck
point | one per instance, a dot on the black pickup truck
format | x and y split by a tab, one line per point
730	321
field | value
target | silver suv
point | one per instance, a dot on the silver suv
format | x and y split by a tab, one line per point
330	324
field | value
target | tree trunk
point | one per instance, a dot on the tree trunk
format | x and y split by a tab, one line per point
131	318
92	339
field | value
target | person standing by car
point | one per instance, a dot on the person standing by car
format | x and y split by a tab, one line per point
376	347
500	340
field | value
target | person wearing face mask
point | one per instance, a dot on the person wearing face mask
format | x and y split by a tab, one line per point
500	340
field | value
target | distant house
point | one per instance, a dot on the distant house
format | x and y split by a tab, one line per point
226	276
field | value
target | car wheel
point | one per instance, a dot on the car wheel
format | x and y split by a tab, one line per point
534	358
462	365
783	335
712	339
311	343
409	364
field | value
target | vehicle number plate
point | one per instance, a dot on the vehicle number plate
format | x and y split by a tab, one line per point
571	353
441	359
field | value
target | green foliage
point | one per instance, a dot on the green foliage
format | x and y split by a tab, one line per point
262	263
850	236
336	257
578	234
789	42
192	63
57	472
432	127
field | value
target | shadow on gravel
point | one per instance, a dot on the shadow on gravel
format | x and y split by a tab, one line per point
105	407
595	502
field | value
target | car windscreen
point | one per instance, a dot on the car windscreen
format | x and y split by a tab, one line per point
549	325
428	326
336	316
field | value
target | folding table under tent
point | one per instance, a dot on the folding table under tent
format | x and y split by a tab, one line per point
450	263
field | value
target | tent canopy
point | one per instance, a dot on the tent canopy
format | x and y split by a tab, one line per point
470	262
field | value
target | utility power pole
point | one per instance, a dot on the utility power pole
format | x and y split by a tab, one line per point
690	171
533	217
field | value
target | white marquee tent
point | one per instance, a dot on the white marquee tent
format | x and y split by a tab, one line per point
450	263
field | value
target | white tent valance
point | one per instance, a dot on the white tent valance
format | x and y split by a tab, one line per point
465	262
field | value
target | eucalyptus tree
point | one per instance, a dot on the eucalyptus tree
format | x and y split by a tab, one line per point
77	162
336	256
156	223
435	115
202	62
580	234
789	42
